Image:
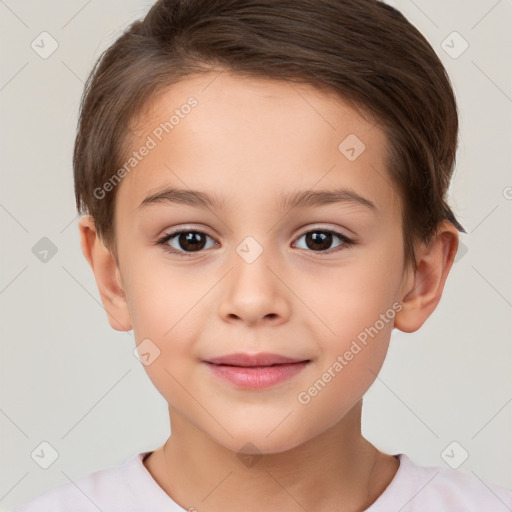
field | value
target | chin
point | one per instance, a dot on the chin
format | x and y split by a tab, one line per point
258	441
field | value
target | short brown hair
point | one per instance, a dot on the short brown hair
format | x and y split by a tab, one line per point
364	51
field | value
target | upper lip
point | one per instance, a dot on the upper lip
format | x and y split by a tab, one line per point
261	359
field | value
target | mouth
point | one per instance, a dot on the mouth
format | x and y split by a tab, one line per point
255	371
263	359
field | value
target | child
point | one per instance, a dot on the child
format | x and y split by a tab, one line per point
309	144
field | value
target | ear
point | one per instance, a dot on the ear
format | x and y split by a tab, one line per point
107	275
423	286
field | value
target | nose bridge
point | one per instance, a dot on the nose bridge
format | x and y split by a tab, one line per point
252	259
253	291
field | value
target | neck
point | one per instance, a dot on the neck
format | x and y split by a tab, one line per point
338	470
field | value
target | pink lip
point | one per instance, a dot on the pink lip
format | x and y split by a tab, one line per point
255	371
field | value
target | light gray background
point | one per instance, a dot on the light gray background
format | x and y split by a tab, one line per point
68	379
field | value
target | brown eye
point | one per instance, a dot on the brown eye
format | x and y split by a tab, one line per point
184	242
320	240
191	241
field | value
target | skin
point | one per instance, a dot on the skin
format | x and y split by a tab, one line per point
248	141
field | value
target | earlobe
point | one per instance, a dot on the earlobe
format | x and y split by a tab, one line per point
423	286
107	275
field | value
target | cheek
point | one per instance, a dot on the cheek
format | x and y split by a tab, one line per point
349	361
357	307
159	297
164	309
352	299
163	319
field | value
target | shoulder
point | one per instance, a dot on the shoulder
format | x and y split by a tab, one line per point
417	488
105	489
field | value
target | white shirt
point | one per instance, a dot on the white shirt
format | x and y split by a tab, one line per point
131	488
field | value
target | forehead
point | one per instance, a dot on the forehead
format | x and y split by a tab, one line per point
236	137
225	98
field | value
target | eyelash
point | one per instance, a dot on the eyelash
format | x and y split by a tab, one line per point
347	242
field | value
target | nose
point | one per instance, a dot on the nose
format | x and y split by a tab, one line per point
254	292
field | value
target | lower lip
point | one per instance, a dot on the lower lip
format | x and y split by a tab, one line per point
257	377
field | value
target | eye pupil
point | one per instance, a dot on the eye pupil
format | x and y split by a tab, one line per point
191	240
318	240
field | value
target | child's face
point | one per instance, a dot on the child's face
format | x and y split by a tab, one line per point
306	296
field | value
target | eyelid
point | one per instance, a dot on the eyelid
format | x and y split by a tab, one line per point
173	232
323	227
184	228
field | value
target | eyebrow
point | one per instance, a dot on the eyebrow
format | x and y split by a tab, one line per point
297	199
